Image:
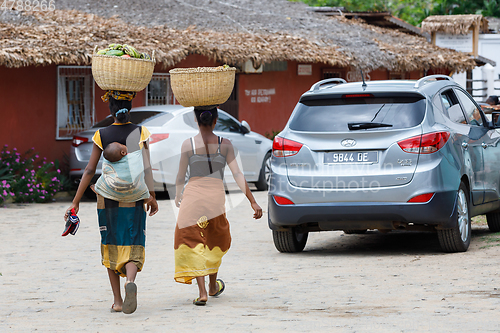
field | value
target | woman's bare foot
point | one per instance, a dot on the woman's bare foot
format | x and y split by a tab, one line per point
116	308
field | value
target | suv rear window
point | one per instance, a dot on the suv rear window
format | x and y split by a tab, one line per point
135	118
335	114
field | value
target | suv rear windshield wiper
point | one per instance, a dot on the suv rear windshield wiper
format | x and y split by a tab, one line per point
358	126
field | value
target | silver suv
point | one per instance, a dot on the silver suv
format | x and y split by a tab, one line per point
386	155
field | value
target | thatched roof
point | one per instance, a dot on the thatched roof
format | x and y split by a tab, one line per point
454	24
257	30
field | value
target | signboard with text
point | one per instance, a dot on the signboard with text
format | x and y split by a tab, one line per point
462	43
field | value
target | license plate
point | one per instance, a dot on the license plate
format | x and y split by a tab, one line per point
351	157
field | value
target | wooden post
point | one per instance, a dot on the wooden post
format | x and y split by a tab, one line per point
475	40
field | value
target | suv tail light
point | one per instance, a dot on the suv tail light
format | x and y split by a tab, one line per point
158	137
284	147
282	201
422	197
425	143
78	140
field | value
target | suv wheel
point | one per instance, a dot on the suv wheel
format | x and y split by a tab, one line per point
265	172
493	220
289	241
457	239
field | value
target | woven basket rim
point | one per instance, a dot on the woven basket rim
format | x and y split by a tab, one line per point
122	58
196	70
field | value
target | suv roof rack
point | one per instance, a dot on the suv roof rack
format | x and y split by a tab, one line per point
331	80
434	77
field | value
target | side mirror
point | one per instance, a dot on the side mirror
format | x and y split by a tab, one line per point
495	119
245	128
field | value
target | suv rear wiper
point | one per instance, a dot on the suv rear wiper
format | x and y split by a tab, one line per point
358	126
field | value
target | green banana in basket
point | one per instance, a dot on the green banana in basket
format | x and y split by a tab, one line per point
131	51
115	46
145	56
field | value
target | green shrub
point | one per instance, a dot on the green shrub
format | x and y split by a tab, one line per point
26	177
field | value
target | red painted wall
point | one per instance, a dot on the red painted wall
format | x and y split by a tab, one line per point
28	96
266	100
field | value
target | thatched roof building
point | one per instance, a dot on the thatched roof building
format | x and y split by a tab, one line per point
232	33
454	24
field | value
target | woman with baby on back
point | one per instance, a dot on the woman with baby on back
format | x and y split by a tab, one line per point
125	193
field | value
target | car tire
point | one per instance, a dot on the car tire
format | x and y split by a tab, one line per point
265	172
457	239
493	220
289	241
354	232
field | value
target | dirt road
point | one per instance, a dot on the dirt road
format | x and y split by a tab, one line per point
395	282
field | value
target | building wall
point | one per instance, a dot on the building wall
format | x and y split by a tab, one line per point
29	101
28	96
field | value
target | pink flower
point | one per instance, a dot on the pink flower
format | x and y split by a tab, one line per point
17	160
4	182
4	193
42	197
58	171
31	190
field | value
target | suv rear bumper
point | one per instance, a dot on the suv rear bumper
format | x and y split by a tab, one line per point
439	211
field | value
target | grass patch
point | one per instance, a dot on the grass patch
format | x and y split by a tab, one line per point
491	240
479	220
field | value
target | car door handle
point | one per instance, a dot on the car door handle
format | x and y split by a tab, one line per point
484	145
465	145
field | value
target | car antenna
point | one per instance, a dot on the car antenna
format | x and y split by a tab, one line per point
364	85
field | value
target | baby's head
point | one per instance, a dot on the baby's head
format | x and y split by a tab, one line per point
115	151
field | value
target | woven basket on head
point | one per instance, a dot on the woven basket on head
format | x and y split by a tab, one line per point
123	74
202	85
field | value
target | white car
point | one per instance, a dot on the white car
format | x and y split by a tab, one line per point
170	125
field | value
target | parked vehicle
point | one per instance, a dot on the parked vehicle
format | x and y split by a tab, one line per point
170	125
387	155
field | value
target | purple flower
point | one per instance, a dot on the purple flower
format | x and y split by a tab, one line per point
42	197
11	194
22	177
31	190
4	182
8	164
17	160
7	152
54	179
58	171
4	193
36	156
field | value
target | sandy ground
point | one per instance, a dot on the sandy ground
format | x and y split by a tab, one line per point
396	282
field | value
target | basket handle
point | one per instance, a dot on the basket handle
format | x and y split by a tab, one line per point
95	49
153	56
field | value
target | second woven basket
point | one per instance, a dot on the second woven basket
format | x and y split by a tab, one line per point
202	86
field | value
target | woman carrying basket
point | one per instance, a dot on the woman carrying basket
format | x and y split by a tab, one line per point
202	234
125	193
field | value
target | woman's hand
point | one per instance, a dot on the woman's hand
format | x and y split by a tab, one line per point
74	206
151	205
177	200
258	211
